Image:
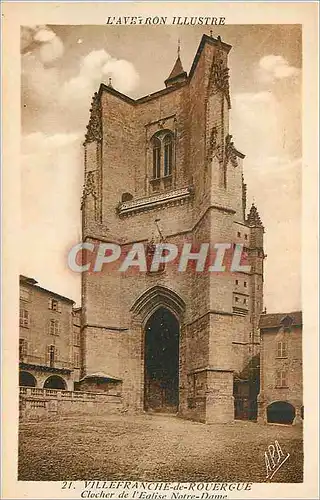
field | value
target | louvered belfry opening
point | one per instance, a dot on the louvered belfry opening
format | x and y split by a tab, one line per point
161	388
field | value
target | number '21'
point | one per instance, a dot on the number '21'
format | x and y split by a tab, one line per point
66	485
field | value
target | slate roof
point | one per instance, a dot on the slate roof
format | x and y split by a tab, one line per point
274	320
31	281
177	70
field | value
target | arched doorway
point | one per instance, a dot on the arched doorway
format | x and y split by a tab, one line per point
161	362
280	412
54	382
27	380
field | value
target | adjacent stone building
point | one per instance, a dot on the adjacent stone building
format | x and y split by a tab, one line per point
48	339
164	168
280	398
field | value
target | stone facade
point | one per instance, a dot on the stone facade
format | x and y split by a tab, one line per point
46	351
202	198
281	383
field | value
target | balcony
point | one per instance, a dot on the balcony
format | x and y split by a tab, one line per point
173	197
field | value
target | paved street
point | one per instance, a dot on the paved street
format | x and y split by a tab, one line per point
154	448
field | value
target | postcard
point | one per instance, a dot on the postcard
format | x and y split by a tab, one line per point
160	273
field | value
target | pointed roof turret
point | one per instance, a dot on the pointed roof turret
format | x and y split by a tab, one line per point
177	74
254	217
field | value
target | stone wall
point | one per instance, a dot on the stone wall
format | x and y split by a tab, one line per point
37	404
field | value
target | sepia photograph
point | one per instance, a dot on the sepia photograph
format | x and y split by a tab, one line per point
161	320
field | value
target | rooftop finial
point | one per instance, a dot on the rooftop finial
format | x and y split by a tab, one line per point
253	218
177	75
110	82
211	33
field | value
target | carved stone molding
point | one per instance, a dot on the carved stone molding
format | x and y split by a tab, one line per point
176	197
244	196
230	151
94	128
89	187
215	149
253	218
219	77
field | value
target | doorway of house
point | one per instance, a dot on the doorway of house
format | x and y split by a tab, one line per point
280	412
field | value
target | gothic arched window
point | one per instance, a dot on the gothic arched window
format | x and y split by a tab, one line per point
156	157
168	154
162	162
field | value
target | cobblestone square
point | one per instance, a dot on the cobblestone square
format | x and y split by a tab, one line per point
155	448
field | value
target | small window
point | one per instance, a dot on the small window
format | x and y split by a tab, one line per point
236	299
22	349
76	360
245	284
76	338
281	379
282	350
54	327
24	318
25	294
237	282
51	355
245	236
244	301
54	305
239	234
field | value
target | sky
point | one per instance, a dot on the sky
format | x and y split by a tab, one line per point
62	66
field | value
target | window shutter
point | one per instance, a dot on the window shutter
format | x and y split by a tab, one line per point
50	303
27	348
48	355
59	307
285	379
278	349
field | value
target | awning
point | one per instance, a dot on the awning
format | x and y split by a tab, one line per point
101	376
